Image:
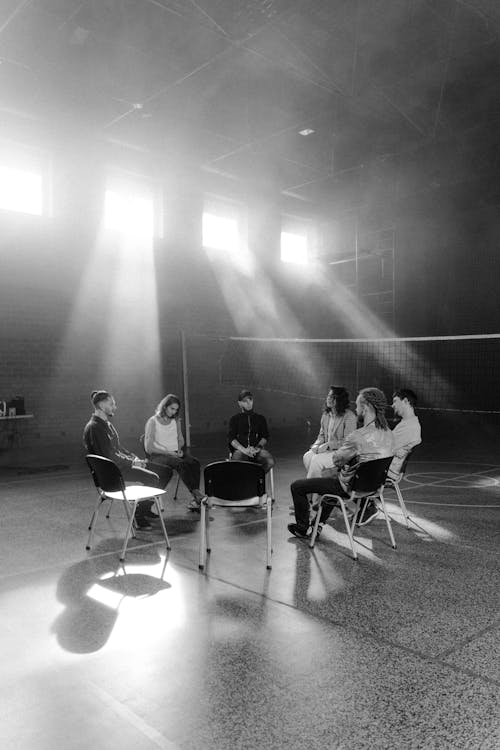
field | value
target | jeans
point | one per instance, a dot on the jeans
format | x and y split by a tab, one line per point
187	467
320	485
263	458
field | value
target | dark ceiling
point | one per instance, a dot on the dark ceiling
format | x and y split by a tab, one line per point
402	95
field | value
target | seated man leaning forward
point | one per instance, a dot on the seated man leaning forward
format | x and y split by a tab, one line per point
407	434
164	442
371	441
248	434
101	438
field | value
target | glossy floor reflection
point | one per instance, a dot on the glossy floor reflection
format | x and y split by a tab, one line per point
398	650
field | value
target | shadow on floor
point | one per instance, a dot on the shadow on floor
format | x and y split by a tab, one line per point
93	590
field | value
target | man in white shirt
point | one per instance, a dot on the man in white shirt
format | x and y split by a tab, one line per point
407	434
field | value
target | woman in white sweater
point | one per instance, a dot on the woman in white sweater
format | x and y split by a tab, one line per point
337	422
164	442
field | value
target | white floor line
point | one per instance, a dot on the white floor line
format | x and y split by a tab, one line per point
134	720
449	505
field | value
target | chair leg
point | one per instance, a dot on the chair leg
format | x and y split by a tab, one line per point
269	532
314	532
203	534
109	509
402	505
387	520
99	501
129	532
208	545
177	486
271	482
162	522
348	528
93	522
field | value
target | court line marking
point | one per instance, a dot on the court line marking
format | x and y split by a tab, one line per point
448	479
126	713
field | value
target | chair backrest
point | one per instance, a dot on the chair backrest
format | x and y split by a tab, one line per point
142	441
105	473
370	475
234	480
405	462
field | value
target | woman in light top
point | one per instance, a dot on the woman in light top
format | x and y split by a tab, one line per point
337	422
164	442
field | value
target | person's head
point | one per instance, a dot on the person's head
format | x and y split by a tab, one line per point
337	400
404	401
371	404
169	407
245	400
103	403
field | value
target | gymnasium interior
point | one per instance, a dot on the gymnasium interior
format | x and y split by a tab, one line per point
204	196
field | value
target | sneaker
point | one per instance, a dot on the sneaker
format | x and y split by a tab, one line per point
298	531
320	528
194	506
143	523
368	515
150	516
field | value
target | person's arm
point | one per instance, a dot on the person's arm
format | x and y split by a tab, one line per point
180	437
233	437
406	437
321	439
150	445
98	441
347	451
263	432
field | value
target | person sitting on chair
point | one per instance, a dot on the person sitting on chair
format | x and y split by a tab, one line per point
248	434
373	440
101	439
164	442
337	422
407	434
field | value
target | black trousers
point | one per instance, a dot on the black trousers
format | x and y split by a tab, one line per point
320	485
188	467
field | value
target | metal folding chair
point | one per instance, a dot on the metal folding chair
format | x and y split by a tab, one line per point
110	486
368	482
394	483
233	484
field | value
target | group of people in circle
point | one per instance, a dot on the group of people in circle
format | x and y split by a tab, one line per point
345	440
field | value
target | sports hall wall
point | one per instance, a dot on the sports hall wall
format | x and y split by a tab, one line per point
76	314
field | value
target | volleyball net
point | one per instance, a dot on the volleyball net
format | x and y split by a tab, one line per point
448	373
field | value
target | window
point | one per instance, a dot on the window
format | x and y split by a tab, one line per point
21	191
220	233
130	211
294	248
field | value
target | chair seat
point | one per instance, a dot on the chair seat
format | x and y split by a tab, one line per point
136	492
249	502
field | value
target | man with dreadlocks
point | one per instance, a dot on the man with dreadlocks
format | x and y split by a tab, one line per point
371	441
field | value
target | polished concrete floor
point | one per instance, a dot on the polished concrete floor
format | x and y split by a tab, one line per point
399	650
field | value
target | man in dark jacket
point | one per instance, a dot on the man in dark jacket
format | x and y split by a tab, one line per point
101	438
248	434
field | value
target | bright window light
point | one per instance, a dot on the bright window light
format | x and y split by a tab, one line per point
220	233
129	213
21	191
293	248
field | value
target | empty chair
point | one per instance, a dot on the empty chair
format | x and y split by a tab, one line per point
368	483
233	484
110	486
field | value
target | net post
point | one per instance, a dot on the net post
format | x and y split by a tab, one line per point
185	388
